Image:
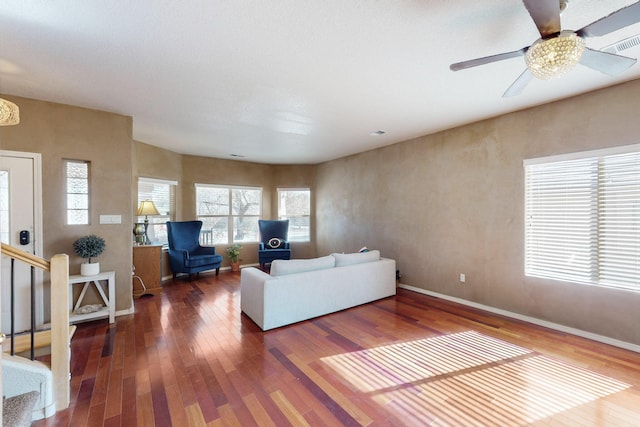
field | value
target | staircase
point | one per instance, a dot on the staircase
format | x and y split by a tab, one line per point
16	410
22	375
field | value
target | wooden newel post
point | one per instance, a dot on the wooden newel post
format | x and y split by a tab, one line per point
60	340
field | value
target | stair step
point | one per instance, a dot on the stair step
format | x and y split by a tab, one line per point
16	410
40	339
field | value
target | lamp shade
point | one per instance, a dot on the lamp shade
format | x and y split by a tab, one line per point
9	113
147	207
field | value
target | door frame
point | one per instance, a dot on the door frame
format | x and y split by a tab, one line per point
37	223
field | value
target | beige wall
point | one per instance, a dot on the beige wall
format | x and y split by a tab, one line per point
440	205
300	176
61	132
154	162
204	170
452	203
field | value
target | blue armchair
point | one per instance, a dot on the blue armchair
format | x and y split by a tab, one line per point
185	253
273	240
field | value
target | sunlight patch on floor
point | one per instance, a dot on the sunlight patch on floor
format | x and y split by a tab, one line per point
470	378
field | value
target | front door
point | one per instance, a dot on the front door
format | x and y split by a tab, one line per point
19	227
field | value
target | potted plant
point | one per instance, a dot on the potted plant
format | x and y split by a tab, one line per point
89	247
233	252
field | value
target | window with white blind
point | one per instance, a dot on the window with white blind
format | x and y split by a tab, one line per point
163	194
582	217
228	214
294	204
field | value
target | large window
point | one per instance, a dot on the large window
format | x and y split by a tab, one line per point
582	217
229	214
295	205
77	182
162	193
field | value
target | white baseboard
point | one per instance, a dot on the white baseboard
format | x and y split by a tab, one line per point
555	326
126	311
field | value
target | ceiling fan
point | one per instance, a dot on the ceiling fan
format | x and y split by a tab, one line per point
557	51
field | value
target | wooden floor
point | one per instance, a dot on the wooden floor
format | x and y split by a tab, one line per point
189	358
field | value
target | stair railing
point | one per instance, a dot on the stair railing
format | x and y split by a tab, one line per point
58	269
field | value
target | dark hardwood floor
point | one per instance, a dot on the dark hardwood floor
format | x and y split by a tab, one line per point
189	358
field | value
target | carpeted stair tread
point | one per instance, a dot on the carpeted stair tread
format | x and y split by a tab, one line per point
16	410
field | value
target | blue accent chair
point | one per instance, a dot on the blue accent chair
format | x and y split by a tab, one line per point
273	240
185	253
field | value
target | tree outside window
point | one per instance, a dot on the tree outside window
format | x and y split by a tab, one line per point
229	214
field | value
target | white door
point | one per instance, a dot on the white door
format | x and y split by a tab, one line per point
20	227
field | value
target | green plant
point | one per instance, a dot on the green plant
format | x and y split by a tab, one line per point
89	246
233	252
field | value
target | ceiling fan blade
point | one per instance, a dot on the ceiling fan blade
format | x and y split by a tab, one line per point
619	19
545	14
487	59
605	62
518	86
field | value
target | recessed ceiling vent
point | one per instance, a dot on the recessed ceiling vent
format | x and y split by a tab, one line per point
625	44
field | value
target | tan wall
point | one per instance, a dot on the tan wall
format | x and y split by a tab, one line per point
205	170
154	162
441	205
453	203
300	176
61	132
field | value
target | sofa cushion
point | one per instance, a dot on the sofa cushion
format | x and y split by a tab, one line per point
356	258
280	267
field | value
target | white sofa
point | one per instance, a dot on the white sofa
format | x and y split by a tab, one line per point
297	290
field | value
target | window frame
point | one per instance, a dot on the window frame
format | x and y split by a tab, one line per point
281	216
5	215
67	178
578	225
157	224
231	218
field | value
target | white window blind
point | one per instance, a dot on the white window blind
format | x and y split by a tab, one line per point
162	193
619	208
582	220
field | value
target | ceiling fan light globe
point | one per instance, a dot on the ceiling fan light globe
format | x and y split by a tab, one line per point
551	58
9	113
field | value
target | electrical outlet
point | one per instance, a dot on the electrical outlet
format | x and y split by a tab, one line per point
462	278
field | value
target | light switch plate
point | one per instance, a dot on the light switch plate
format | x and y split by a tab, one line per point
110	219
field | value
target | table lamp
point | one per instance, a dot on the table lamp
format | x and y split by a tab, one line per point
147	207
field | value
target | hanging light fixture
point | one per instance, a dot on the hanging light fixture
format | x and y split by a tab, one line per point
9	113
551	58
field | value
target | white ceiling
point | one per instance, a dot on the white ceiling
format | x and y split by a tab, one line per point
285	81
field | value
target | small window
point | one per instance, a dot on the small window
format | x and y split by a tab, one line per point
229	214
77	181
295	205
162	193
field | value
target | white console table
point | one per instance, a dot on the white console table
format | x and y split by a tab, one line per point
109	310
